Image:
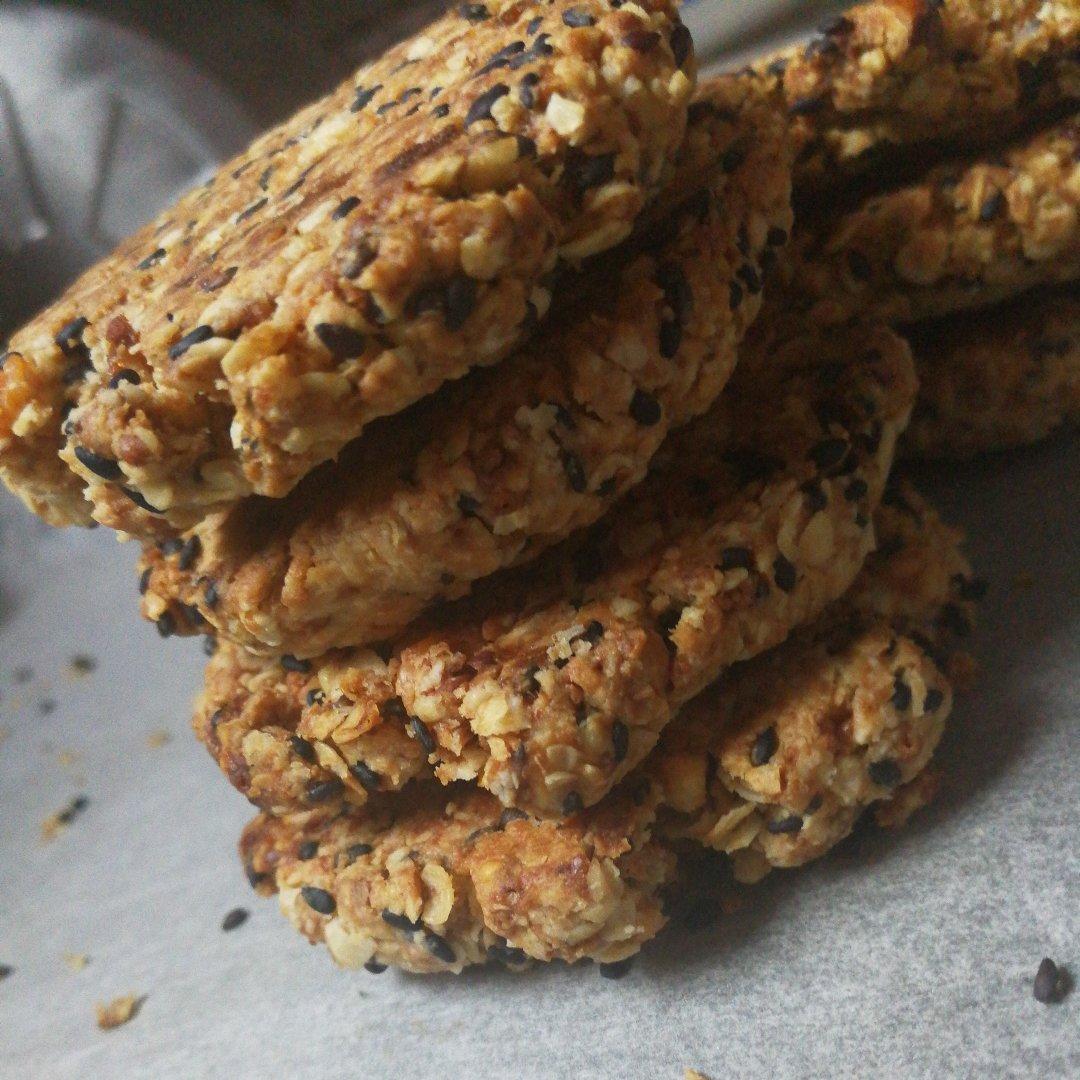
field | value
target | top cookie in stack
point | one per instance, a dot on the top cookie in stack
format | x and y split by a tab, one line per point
385	240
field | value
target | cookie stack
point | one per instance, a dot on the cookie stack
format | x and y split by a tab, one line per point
532	482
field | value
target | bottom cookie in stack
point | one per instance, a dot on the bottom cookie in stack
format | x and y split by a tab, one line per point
773	766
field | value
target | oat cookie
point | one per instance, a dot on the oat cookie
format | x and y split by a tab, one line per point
550	684
775	763
772	766
895	72
509	461
997	379
967	235
385	240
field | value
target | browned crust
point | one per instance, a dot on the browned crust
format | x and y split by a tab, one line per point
508	462
320	314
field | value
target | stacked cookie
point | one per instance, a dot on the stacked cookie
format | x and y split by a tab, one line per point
532	485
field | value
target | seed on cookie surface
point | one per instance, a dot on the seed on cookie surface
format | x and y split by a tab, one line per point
318	899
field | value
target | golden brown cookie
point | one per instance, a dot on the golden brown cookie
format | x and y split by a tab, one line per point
509	461
773	765
380	243
891	73
551	683
997	379
966	235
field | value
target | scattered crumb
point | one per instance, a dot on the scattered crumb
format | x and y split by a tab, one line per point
47	707
5	971
76	961
82	664
118	1011
1052	983
1025	581
693	1074
55	824
69	757
157	739
236	917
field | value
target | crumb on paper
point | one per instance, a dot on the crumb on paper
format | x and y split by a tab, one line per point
76	961
81	664
157	739
68	757
55	824
118	1011
693	1074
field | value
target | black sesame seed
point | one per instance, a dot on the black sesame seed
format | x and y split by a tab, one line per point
152	259
619	970
856	490
303	749
170	547
885	773
572	804
5	971
736	558
506	955
363	98
671	335
765	746
901	695
575	471
736	295
422	734
527	90
534	25
73	810
933	701
815	804
144	580
806	106
776	237
342	342
195	337
69	337
641	40
593	632
356	851
307	849
189	553
345	208
253	209
830	453
320	791
474	12
104	467
620	741
575	18
399	922
682	44
318	899
209	645
439	947
785	826
814	493
125	375
315	697
645	408
784	574
440	112
751	278
481	107
585	171
291	663
211	596
235	918
992	206
368	777
166	625
1051	983
461	293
